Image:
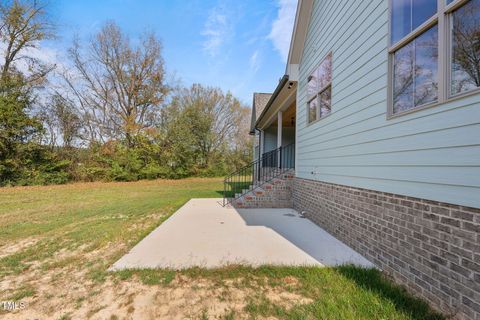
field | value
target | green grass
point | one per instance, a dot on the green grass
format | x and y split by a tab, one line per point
345	292
86	227
92	215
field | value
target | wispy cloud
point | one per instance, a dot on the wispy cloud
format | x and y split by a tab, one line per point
282	27
254	62
31	55
217	31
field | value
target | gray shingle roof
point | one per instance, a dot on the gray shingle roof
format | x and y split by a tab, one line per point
260	101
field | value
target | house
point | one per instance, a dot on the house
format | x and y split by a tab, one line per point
381	100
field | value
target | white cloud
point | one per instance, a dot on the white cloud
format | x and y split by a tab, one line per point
42	54
282	27
254	62
217	31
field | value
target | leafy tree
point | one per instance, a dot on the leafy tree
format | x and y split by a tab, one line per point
17	129
23	24
23	160
214	120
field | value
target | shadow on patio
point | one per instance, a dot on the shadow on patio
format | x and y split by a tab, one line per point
204	234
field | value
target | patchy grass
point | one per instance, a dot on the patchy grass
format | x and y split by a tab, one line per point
57	242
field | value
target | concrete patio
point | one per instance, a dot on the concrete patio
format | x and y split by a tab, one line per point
205	234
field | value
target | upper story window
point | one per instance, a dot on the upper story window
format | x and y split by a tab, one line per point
408	15
319	90
465	47
434	51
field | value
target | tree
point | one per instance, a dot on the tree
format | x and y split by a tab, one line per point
217	118
23	159
210	120
466	47
23	24
118	87
63	120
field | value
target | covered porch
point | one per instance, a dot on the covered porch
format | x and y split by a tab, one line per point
273	125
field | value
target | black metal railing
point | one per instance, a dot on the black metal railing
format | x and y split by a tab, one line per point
270	165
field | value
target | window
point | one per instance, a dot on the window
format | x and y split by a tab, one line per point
465	48
415	72
319	91
415	62
420	47
409	15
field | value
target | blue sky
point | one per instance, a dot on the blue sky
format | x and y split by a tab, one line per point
239	46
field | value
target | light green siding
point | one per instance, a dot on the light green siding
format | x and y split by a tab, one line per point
270	139
432	153
288	137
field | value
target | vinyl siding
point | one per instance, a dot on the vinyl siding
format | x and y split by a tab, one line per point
433	153
288	137
270	139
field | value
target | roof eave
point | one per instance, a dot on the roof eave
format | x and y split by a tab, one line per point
299	34
281	84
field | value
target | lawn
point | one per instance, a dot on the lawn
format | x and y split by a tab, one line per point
57	242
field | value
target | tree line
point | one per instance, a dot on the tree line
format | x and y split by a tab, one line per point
107	112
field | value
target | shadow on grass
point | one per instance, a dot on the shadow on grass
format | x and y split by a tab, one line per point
374	281
368	280
220	192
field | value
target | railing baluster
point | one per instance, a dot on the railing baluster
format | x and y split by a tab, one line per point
262	170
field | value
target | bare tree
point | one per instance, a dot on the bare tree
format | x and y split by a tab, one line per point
415	72
62	121
466	47
23	24
118	87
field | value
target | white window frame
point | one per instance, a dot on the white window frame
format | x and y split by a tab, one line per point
317	94
442	19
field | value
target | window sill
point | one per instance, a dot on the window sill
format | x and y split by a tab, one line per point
316	121
434	104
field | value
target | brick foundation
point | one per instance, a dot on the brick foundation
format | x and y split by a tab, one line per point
431	248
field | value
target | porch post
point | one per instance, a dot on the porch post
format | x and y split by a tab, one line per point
279	138
262	143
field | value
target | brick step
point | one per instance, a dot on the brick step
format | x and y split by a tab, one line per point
265	194
276	193
263	188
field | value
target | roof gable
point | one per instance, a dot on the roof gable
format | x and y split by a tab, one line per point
260	101
299	34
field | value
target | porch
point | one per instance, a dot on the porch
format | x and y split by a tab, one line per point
273	127
273	122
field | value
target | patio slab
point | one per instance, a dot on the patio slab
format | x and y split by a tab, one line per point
205	234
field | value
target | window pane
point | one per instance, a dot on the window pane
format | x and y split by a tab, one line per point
325	102
312	110
466	47
416	72
324	72
312	87
426	67
403	79
422	11
401	19
407	15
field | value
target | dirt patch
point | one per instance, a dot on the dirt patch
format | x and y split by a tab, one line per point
182	298
63	286
14	247
286	299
